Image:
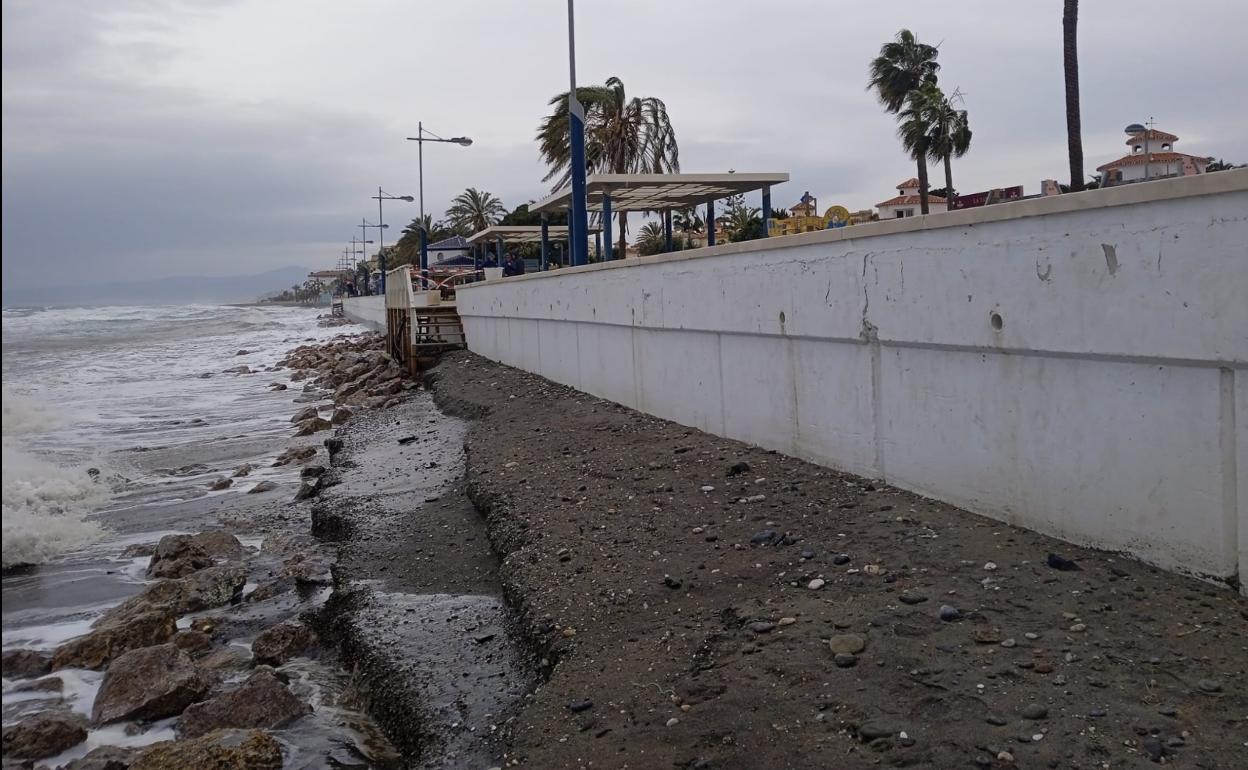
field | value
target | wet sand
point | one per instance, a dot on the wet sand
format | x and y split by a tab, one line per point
695	602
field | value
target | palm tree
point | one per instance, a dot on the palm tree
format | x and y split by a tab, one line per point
622	136
474	210
651	239
742	222
1070	61
688	223
950	135
916	124
903	66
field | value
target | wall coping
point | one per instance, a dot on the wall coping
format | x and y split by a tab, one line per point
1235	180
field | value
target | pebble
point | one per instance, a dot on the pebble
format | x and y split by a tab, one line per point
1096	713
1209	685
1031	635
1005	756
1008	642
1035	711
787	621
698	530
985	634
996	721
949	613
909	597
577	706
840	558
1153	748
671	582
1167	710
904	740
845	660
808	554
569	632
707	488
816	584
849	643
673	722
1079	628
762	626
990	566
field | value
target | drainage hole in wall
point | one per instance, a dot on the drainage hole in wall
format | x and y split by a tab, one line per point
996	321
782	318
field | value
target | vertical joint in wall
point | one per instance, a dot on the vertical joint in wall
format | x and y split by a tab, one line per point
1235	535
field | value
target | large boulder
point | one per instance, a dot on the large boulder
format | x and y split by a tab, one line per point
151	683
294	454
22	663
218	543
141	628
177	556
260	702
104	758
306	413
315	425
341	415
208	588
280	643
220	750
44	735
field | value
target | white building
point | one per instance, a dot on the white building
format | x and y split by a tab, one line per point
1152	156
907	203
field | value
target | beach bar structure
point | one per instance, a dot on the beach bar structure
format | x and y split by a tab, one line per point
503	235
663	194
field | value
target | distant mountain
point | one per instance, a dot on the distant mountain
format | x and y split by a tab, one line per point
178	289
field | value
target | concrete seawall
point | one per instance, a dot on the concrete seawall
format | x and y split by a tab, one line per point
369	311
1074	365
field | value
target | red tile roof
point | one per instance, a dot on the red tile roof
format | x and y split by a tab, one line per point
911	182
1152	135
1140	159
911	200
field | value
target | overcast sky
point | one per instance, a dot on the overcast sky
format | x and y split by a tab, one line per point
145	138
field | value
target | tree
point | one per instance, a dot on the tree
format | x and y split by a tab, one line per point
903	66
950	135
687	223
1070	62
741	222
651	239
1221	165
622	136
474	210
915	127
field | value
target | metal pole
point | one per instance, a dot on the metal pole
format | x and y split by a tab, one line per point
606	223
381	243
710	223
420	155
767	210
667	230
545	240
424	258
576	129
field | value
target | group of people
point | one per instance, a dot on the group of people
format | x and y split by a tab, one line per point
512	264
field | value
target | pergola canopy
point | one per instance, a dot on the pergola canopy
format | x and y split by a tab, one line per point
520	234
657	192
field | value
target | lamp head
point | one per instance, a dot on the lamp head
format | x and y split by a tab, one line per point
462	140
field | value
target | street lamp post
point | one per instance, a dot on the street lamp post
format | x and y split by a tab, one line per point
579	223
424	135
364	225
381	225
357	247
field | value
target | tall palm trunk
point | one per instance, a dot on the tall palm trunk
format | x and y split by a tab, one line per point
623	215
922	162
948	181
1070	60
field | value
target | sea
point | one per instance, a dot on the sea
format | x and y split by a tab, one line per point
115	421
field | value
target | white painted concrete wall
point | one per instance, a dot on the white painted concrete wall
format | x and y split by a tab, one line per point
369	311
1110	408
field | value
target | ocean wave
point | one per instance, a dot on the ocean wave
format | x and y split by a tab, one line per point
22	415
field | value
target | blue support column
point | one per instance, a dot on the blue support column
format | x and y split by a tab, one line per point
545	241
476	258
667	230
606	223
424	258
500	251
710	223
766	210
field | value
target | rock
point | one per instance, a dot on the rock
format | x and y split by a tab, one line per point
138	550
770	537
911	597
149	683
177	556
140	628
1061	563
762	626
840	559
671	582
192	641
260	702
845	660
736	469
997	721
949	613
225	659
306	413
104	758
847	643
816	584
280	643
46	684
218	542
1035	712
312	472
244	352
294	454
237	370
306	490
22	663
243	470
315	425
263	486
1153	747
44	735
1167	710
208	588
275	386
872	730
807	553
341	415
987	635
578	706
220	484
220	750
